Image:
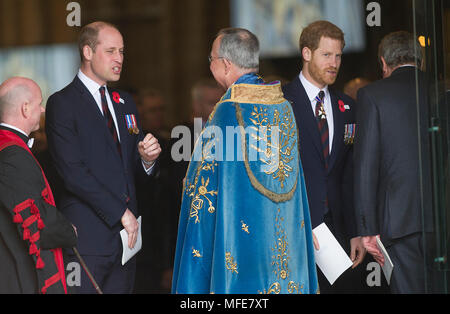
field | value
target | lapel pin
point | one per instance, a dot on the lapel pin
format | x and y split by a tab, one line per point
342	106
116	98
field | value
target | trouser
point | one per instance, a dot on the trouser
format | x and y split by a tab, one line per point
407	255
108	271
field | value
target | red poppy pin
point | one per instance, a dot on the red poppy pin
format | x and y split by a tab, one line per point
116	98
343	106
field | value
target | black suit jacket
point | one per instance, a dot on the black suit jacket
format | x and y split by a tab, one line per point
99	185
335	184
388	182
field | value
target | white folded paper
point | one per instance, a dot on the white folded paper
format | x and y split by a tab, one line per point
127	252
331	257
388	266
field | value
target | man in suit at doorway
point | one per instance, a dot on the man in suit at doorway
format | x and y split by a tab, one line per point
325	119
392	170
99	151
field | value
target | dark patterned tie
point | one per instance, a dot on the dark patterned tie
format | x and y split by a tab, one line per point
109	120
323	126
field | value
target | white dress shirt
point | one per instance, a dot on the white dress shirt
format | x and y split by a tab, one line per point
312	91
94	89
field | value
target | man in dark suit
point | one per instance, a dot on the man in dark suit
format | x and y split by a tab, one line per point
325	119
32	230
95	142
392	171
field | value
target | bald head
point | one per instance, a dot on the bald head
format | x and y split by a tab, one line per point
20	103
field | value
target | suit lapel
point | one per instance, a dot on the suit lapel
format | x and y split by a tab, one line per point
305	115
91	109
118	109
338	127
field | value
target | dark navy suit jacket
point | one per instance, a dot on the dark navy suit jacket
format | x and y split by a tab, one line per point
392	164
329	189
99	185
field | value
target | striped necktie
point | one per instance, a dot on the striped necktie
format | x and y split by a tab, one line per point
322	123
109	120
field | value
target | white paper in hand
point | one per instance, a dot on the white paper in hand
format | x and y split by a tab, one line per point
331	257
388	266
127	252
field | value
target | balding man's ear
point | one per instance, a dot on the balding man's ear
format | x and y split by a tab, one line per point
228	65
87	52
25	109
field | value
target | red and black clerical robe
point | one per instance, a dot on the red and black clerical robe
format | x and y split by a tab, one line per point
32	230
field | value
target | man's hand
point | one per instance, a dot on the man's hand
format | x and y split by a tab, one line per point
149	149
370	243
75	229
315	242
131	226
358	252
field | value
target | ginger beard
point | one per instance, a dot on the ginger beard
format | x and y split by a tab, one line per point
324	62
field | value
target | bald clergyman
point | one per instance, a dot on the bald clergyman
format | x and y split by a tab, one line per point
32	230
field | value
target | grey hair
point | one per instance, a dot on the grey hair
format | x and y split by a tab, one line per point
400	48
239	46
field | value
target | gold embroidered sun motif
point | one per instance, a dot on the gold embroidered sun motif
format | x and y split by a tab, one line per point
274	141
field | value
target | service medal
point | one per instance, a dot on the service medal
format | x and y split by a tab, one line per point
131	124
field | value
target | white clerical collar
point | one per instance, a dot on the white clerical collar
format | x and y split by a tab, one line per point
407	65
30	140
311	90
90	84
14	128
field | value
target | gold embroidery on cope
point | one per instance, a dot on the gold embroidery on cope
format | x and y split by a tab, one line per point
275	288
230	263
282	169
244	227
280	258
199	196
293	288
277	156
196	253
261	94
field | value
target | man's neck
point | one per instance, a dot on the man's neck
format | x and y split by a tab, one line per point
391	70
15	128
238	74
86	70
310	79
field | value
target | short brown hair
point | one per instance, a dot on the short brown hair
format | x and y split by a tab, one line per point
312	34
89	35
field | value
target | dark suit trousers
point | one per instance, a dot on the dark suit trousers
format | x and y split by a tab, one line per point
108	272
407	255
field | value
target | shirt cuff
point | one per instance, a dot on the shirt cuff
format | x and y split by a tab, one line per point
149	170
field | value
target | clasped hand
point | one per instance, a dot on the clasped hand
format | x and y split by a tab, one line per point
149	149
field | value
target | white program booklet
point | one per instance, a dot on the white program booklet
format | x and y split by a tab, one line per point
388	266
331	257
127	252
